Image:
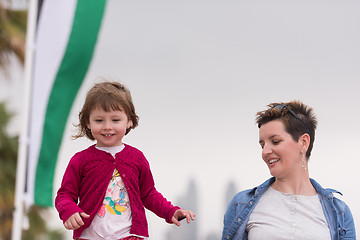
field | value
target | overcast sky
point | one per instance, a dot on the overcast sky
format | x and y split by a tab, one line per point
200	70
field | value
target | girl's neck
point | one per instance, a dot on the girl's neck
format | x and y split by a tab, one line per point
112	150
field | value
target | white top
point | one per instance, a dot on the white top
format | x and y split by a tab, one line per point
113	220
283	216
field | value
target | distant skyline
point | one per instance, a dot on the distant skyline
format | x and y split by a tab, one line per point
199	71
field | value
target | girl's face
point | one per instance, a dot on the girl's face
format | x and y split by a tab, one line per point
280	152
108	128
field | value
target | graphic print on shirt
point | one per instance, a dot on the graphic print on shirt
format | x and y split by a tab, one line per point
116	199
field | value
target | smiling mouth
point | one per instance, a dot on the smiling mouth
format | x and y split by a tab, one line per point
107	135
274	160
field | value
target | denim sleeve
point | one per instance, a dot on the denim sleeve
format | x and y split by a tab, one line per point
229	218
345	222
348	230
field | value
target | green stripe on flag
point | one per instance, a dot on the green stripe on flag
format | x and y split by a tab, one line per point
72	71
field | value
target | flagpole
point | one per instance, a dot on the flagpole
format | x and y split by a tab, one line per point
24	134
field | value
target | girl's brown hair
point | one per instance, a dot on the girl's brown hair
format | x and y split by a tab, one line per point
108	96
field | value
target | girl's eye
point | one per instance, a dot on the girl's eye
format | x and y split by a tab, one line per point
116	120
98	120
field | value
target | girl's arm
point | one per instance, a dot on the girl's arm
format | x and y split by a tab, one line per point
151	198
67	195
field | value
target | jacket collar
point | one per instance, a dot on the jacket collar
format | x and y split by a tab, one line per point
261	188
328	193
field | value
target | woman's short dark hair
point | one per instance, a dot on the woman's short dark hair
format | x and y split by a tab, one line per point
297	117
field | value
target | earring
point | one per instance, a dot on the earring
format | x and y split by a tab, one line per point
303	162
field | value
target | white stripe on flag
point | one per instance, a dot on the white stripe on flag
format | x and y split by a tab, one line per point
63	54
54	28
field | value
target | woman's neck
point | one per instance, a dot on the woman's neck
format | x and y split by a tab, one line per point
298	185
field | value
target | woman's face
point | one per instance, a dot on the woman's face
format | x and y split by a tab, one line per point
280	152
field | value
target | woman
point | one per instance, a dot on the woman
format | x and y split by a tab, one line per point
290	205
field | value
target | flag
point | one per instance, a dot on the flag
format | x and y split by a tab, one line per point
65	41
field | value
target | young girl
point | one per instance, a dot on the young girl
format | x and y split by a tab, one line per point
106	186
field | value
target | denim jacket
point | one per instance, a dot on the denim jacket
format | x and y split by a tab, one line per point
337	213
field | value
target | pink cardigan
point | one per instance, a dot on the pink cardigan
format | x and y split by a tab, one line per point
87	177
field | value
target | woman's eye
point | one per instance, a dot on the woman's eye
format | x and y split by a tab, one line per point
276	142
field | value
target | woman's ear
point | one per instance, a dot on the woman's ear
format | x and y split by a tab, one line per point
304	140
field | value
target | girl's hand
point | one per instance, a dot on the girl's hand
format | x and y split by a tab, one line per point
180	214
75	221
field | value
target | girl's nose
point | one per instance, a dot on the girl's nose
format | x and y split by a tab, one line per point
107	125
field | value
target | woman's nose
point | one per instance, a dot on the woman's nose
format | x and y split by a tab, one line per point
266	150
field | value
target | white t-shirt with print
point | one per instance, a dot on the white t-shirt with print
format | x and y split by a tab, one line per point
113	220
